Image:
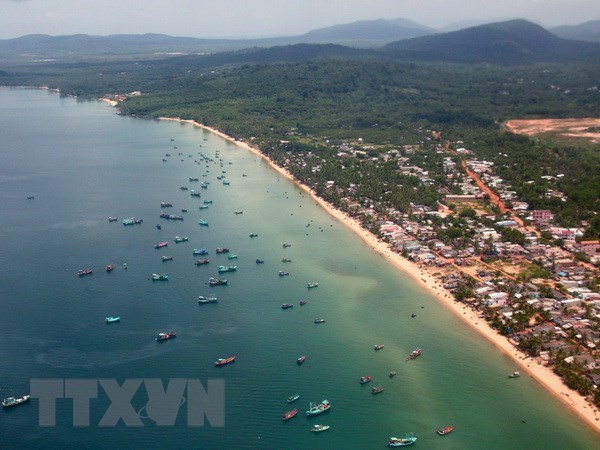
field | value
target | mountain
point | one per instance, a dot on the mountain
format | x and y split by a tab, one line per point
511	42
372	33
379	32
587	31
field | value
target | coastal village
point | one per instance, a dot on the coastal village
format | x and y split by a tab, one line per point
532	281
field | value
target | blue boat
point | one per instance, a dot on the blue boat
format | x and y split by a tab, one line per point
201	251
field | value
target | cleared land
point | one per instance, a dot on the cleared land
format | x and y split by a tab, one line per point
587	128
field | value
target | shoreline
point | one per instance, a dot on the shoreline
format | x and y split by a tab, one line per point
544	375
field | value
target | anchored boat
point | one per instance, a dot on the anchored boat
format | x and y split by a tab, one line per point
84	272
290	414
212	281
224	361
159	277
165	336
401	442
414	354
112	319
14	401
293	398
201	262
318	408
444	431
203	299
318	428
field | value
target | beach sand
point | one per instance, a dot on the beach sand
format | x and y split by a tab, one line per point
533	367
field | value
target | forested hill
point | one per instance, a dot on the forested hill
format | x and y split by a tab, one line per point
511	42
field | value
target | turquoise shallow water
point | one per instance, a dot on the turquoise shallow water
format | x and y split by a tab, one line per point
84	163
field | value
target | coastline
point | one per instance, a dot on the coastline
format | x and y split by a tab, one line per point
533	367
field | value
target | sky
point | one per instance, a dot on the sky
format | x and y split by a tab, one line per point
261	18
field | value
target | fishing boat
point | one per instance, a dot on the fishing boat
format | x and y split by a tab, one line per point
202	222
365	379
14	401
181	239
401	442
376	389
238	212
208	202
216	281
124	265
132	221
232	257
293	398
110	267
290	414
183	210
224	361
223	269
414	354
286	260
287	245
165	336
514	375
203	299
260	261
30	197
203	207
159	277
158	227
283	274
84	272
226	183
318	408
166	204
286	306
253	235
222	250
312	285
183	188
200	251
319	428
193	193
112	319
319	320
161	245
378	347
193	179
303	302
301	360
167	258
174	217
201	262
444	431
113	219
392	374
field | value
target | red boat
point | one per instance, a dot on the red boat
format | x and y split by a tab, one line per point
165	336
200	262
444	431
161	245
300	360
83	272
365	379
414	354
110	267
379	347
288	415
224	361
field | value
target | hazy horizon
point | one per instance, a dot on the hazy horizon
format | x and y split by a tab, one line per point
266	18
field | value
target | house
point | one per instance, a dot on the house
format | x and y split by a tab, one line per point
590	247
542	216
496	299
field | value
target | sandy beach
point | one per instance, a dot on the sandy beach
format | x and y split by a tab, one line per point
533	367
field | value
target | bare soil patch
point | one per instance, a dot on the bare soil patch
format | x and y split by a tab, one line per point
586	128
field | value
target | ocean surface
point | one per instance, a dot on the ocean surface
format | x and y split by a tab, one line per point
84	163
